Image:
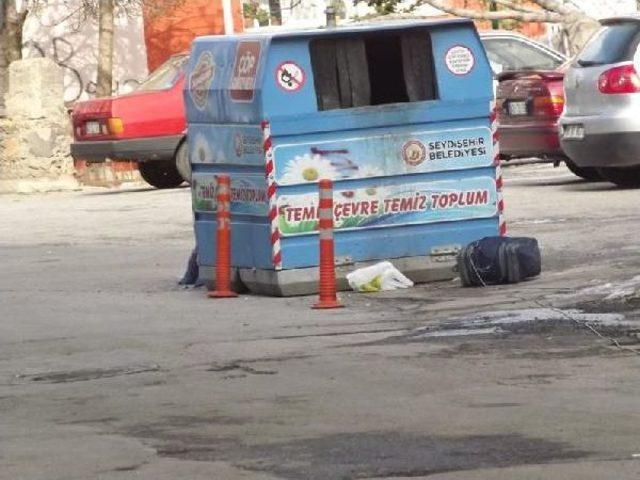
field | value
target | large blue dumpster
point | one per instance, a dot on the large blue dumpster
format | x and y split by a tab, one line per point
397	114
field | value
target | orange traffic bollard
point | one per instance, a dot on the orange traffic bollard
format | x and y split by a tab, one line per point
327	284
223	240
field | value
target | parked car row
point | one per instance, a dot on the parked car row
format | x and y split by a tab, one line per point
584	111
600	127
593	129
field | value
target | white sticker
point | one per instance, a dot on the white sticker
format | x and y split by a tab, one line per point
459	60
290	76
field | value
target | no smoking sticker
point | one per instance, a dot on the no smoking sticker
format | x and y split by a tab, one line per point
290	76
460	60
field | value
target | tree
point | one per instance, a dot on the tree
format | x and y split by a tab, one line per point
106	11
576	25
276	12
11	23
11	31
104	82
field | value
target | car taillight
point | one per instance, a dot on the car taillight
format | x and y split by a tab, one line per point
115	125
618	80
112	126
552	105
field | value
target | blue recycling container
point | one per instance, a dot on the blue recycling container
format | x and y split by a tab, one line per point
397	114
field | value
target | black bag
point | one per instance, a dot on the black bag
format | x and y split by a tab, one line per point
499	260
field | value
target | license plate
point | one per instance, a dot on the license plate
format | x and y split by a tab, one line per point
573	132
517	108
92	128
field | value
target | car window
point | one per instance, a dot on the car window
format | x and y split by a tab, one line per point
611	44
513	54
166	75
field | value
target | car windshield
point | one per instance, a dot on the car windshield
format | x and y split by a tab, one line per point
513	54
612	44
166	75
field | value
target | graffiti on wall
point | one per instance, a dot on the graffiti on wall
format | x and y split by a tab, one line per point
63	53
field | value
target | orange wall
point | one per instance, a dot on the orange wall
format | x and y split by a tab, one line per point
170	29
529	29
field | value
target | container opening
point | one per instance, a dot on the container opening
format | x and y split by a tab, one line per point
373	70
386	76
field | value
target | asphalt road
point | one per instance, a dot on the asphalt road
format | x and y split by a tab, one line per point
109	370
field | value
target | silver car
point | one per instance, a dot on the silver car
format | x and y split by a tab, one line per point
508	51
600	126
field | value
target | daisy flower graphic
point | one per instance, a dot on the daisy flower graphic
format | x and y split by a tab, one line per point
202	152
308	168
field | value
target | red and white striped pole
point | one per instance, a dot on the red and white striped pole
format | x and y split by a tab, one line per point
327	282
223	240
502	224
272	188
495	136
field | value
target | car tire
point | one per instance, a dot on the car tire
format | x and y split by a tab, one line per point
590	174
622	177
182	161
161	173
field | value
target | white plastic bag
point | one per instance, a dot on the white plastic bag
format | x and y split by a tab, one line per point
379	277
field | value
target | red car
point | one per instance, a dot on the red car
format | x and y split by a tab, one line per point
529	106
147	126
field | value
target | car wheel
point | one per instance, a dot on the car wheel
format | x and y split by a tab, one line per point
622	177
161	173
182	161
591	174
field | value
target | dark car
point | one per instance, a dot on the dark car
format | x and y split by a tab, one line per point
530	98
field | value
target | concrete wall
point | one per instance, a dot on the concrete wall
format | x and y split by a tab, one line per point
71	41
35	136
143	40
